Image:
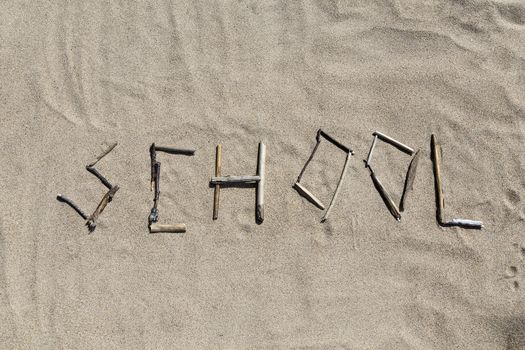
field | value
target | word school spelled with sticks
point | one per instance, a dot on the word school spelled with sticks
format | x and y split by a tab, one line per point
258	181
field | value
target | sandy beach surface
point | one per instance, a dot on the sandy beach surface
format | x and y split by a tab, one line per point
79	75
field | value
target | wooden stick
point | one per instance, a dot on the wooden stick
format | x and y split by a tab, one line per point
392	207
247	179
69	202
436	159
103	154
309	160
154	213
409	180
175	228
333	141
308	195
369	158
153	160
102	179
91	221
467	223
345	167
173	150
394	143
259	200
216	193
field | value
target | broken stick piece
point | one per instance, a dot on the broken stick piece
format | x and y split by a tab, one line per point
259	195
102	179
103	154
409	181
467	223
308	195
108	197
392	207
334	197
175	228
436	160
246	179
395	143
69	202
173	150
217	191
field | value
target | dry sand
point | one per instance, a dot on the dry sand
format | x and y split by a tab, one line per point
77	75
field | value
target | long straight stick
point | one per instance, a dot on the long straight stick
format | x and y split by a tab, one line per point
395	143
108	197
392	207
345	167
173	150
103	154
174	228
216	193
369	158
436	159
241	179
409	181
309	160
259	213
69	202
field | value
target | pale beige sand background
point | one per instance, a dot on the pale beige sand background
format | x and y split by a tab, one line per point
77	75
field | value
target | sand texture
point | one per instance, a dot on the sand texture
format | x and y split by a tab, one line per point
79	75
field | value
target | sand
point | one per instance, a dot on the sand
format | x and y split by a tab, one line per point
78	75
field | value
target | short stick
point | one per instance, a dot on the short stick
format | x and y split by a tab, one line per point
259	213
333	141
369	158
154	213
175	228
103	154
309	160
173	150
409	180
91	221
467	223
394	143
247	179
153	160
216	193
436	159
308	195
68	201
392	207
345	167
102	179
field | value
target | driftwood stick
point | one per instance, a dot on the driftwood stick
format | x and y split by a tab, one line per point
369	158
175	228
395	143
309	160
153	160
466	223
69	202
154	213
247	179
217	191
392	207
436	159
308	195
108	197
103	154
259	196
409	180
333	141
173	150
102	179
338	188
